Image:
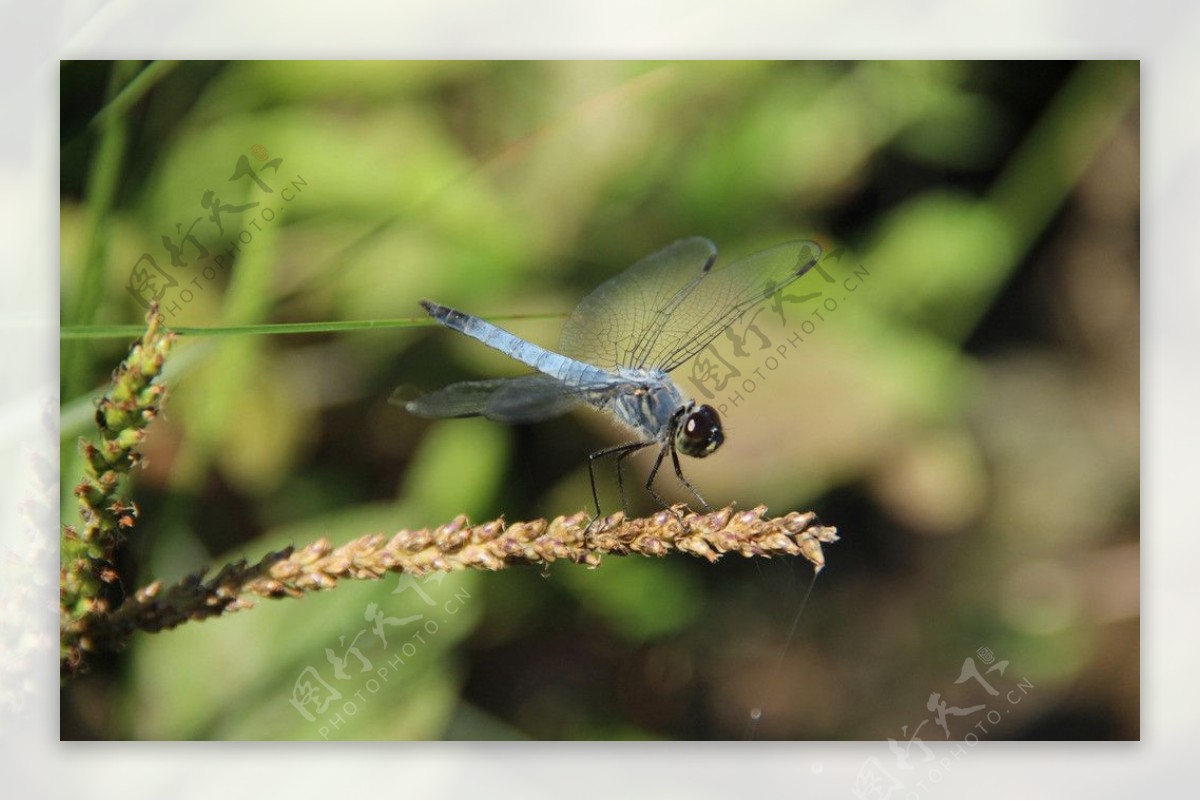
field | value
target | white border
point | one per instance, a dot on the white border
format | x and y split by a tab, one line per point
1162	34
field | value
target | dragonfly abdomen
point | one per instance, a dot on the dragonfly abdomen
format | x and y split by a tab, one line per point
495	337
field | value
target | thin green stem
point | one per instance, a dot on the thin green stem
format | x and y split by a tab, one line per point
103	180
1056	153
74	332
102	184
133	91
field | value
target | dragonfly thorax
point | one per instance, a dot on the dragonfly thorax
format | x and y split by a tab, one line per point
647	401
651	404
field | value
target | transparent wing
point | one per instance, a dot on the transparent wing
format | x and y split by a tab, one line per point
525	399
613	326
667	308
466	399
725	294
531	398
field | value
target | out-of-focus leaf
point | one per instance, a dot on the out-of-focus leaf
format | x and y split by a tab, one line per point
963	131
940	259
639	598
458	469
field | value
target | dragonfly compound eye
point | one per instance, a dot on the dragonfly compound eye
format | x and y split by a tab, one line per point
700	432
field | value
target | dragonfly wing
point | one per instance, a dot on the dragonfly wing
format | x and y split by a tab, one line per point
726	294
524	399
615	325
465	399
530	398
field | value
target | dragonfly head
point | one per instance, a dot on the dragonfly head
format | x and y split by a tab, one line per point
699	432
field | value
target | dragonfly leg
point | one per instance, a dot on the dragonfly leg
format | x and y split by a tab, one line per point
686	483
621	451
653	472
633	448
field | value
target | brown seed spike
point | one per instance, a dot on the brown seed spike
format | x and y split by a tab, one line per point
458	546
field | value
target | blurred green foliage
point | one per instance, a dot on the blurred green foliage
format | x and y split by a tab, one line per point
966	412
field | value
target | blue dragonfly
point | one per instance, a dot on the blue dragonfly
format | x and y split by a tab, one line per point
619	347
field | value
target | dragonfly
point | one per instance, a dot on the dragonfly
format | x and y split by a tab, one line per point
617	351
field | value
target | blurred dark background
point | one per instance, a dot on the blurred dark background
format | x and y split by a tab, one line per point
965	412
